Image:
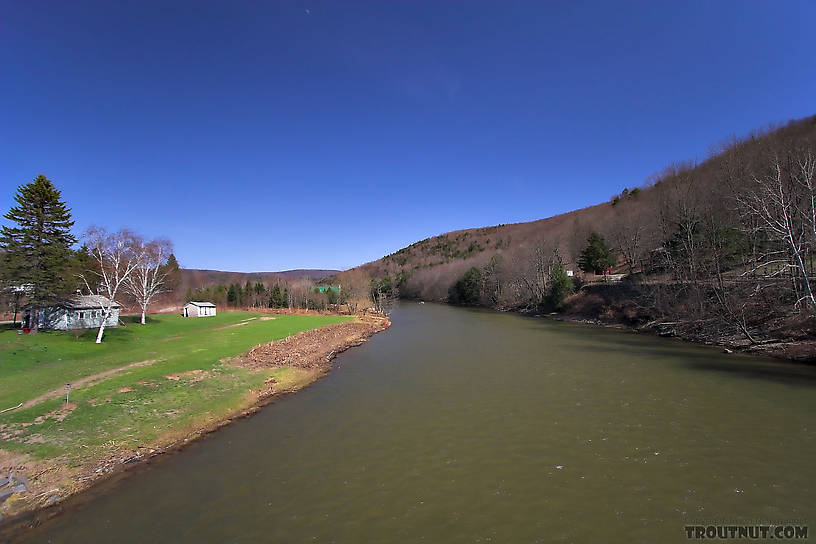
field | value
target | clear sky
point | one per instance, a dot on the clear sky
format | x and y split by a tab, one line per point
272	135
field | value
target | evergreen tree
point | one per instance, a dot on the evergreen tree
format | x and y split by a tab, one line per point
596	256
561	286
246	298
172	279
276	298
37	252
81	261
259	292
467	289
233	298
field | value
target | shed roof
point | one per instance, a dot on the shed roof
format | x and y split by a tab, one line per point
202	304
81	302
325	288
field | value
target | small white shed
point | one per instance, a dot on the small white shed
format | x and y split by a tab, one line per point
199	309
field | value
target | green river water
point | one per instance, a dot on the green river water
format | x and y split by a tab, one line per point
472	426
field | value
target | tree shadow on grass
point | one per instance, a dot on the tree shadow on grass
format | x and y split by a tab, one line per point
129	320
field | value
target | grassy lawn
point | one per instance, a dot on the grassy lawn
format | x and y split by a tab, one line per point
186	384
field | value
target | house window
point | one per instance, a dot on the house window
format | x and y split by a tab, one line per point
82	315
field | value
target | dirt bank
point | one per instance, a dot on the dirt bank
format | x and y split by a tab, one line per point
310	349
50	483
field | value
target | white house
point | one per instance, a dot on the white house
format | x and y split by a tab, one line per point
199	309
79	312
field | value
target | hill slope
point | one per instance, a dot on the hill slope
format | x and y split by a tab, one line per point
635	223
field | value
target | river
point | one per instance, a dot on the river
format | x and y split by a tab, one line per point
462	425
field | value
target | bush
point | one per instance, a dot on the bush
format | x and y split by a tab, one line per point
467	289
560	287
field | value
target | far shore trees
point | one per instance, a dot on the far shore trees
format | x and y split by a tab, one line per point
629	231
385	292
468	289
116	256
355	291
561	284
37	252
782	202
596	256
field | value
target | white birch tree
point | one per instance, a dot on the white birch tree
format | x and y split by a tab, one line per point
148	278
116	255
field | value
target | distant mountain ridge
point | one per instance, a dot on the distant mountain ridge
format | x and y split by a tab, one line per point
196	278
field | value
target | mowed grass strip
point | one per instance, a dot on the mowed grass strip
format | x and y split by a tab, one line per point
140	403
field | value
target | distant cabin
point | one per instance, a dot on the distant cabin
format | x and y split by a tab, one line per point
199	309
79	312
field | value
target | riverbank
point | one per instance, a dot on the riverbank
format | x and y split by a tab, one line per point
233	386
464	426
787	337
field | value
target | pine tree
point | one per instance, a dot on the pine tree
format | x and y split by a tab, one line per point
276	299
596	256
38	250
246	298
232	295
173	273
82	261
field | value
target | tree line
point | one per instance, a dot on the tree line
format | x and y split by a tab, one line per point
352	290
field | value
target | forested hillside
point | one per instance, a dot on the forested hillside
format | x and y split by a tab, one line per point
726	242
196	278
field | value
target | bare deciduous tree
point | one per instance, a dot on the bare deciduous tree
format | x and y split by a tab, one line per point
116	255
355	288
783	208
148	278
536	276
628	233
492	281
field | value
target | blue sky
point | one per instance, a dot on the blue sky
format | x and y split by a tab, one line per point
273	135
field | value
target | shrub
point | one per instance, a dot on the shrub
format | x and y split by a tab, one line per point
560	286
467	289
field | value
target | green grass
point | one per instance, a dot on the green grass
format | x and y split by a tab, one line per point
105	418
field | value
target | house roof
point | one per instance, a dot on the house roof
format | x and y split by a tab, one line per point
81	302
202	304
325	288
